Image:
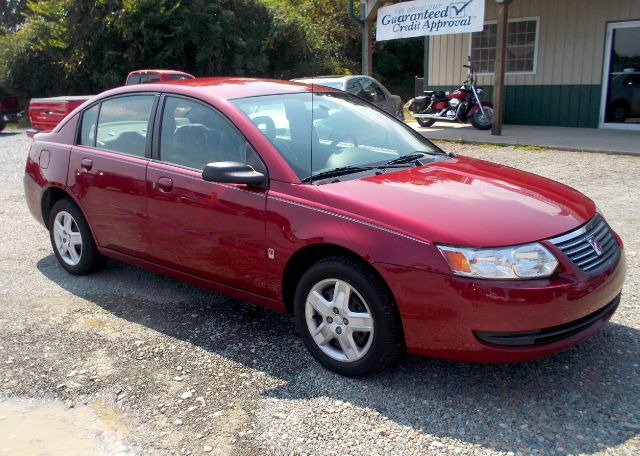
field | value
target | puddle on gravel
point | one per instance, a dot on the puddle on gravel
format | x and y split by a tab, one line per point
51	429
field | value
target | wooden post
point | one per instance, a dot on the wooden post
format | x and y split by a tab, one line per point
425	63
500	66
367	48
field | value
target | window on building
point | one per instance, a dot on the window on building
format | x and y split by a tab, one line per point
521	47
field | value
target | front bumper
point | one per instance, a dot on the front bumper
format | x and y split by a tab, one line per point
452	317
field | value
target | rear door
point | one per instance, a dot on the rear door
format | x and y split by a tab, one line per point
211	230
107	171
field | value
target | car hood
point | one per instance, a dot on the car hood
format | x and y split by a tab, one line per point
464	201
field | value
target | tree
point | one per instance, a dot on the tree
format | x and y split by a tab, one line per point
11	14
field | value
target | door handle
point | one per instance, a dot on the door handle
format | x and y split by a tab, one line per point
165	184
86	163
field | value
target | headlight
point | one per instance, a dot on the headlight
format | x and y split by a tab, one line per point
519	262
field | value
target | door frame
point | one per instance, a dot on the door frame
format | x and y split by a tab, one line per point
610	26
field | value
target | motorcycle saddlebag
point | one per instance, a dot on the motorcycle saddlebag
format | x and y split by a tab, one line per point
419	104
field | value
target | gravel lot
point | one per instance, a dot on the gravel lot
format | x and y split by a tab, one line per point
162	367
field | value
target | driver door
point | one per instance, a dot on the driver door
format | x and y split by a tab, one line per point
210	230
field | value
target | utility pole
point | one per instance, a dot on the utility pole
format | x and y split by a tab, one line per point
500	66
369	13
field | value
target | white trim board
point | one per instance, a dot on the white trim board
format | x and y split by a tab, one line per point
605	77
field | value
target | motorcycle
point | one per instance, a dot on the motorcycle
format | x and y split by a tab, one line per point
462	105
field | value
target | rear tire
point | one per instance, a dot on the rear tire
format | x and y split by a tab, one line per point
2	125
72	241
426	122
618	112
355	336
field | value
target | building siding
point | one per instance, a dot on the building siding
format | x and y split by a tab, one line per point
570	55
575	105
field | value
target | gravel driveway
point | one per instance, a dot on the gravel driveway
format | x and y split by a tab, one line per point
143	364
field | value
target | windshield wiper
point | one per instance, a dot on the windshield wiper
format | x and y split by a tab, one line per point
341	171
337	172
406	158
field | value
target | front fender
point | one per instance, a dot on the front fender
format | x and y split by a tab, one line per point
298	216
476	107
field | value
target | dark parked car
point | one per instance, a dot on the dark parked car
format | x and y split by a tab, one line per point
9	110
364	87
624	96
309	200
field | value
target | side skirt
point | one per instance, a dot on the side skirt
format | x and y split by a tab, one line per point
273	304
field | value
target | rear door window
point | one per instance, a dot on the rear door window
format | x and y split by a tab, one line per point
123	124
88	126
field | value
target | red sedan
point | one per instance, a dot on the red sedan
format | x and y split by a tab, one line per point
312	201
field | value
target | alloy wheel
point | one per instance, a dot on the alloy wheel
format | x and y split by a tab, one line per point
339	320
67	238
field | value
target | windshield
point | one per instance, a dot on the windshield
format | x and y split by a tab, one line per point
320	132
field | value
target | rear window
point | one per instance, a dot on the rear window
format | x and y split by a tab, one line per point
133	79
142	79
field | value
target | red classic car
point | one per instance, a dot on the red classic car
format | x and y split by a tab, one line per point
310	200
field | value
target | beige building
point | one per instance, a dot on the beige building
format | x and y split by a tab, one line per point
570	62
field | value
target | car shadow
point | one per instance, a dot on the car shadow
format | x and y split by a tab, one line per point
10	133
579	400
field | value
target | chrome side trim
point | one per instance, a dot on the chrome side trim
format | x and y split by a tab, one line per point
351	219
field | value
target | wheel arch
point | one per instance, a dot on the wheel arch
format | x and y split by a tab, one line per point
622	102
51	196
308	255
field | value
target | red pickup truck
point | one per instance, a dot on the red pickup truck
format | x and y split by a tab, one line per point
46	113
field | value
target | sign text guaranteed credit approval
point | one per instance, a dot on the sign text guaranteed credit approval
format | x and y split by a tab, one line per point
429	17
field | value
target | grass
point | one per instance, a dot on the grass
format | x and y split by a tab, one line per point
22	124
480	145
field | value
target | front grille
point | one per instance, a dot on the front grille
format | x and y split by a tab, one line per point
592	247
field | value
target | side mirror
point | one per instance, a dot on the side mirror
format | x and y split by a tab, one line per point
234	173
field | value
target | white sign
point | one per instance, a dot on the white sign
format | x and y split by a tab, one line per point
429	17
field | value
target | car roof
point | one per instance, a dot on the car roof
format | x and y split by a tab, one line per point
147	71
220	88
326	78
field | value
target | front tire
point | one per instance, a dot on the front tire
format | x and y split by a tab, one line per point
483	121
72	241
347	318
